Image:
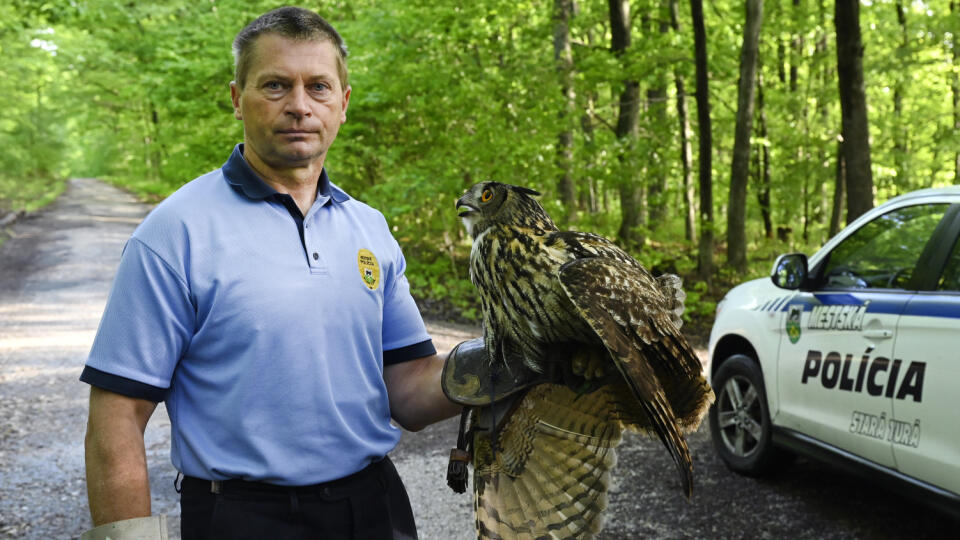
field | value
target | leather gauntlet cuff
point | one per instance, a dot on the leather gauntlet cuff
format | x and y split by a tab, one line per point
470	378
145	528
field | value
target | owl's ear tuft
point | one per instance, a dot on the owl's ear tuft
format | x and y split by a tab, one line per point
526	191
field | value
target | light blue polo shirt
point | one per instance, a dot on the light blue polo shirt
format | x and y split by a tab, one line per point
264	331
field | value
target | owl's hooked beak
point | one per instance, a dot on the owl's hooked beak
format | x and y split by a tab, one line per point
469	214
469	209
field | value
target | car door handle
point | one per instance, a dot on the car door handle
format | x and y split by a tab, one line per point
878	333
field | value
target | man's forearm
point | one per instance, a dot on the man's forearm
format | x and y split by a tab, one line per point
118	486
434	403
117	483
416	398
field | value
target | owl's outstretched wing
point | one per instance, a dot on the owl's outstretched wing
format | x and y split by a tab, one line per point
628	310
550	472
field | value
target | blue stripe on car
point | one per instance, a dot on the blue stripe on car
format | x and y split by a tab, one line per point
942	306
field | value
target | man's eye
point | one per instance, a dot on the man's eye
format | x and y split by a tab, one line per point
273	85
320	87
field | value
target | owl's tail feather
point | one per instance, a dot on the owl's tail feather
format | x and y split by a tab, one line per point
551	477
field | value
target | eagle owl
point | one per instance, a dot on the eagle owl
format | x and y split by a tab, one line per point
549	297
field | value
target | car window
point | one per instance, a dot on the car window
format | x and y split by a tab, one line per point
950	280
883	253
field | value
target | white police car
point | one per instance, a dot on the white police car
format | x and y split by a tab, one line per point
852	357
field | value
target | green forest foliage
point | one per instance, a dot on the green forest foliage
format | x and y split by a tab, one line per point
448	93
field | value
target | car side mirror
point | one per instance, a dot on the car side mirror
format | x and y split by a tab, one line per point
790	271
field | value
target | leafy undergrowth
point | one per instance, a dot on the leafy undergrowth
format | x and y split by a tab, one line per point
30	194
146	190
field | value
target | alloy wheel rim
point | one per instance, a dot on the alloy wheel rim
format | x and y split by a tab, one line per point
739	416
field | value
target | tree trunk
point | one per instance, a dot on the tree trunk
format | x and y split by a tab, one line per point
900	130
826	79
781	62
796	47
737	209
853	104
588	193
803	155
631	192
955	86
705	251
657	113
157	144
563	57
763	162
686	157
840	182
588	189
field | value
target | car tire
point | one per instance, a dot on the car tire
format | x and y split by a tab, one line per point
740	419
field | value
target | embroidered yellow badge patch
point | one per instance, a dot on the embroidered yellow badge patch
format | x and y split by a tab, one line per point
369	268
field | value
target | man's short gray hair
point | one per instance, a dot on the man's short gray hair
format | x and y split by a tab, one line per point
290	22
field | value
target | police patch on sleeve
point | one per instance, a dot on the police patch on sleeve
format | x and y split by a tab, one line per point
369	269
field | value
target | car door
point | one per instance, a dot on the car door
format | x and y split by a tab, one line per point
923	429
837	371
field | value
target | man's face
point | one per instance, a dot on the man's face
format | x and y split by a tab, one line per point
292	104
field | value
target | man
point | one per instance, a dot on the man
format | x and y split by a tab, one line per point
270	312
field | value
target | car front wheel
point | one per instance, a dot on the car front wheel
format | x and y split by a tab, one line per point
740	420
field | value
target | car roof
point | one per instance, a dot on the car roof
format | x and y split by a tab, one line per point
948	191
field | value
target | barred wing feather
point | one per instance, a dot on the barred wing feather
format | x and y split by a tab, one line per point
628	310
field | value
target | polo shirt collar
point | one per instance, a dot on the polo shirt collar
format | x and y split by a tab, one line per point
240	175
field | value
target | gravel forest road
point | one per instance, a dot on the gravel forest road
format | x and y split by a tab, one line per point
55	272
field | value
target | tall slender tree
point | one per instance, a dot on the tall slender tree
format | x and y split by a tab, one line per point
901	132
955	84
563	57
737	206
686	154
853	106
763	161
839	191
631	190
705	264
657	115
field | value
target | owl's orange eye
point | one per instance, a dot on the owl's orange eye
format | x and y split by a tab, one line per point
486	195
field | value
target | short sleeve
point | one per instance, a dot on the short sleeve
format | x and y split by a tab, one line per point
146	326
404	333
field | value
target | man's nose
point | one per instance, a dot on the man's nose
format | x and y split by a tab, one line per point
298	102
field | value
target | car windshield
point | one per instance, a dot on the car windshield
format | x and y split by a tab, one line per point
884	252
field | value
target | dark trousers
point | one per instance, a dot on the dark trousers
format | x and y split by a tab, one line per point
371	504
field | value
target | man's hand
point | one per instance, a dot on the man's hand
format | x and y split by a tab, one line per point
117	483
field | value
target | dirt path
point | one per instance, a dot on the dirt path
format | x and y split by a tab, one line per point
55	273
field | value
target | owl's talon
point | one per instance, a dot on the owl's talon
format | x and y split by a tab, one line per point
578	366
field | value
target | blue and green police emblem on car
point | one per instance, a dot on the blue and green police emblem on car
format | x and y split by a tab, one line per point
793	322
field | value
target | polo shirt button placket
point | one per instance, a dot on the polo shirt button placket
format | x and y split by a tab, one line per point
317	264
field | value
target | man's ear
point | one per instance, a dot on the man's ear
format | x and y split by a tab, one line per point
235	98
346	102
